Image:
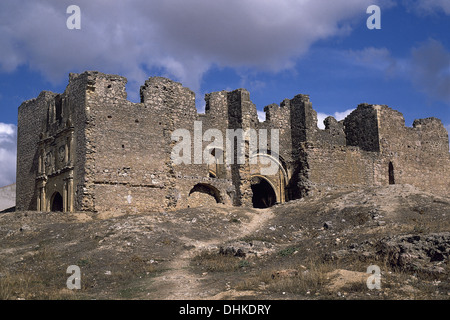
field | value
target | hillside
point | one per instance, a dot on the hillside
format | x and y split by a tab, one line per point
312	248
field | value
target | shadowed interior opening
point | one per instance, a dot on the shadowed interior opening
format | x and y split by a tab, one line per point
263	194
391	173
57	202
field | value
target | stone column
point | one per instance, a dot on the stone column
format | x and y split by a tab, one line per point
43	200
70	150
71	195
38	206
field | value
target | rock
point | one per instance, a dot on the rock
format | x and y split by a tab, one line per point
286	273
242	248
425	253
336	255
328	225
416	252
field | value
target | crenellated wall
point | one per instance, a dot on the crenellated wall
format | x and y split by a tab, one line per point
101	152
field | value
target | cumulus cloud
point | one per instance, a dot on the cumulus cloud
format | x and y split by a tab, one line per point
183	39
338	115
427	66
261	116
8	151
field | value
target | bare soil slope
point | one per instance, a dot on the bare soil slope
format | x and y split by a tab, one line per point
314	248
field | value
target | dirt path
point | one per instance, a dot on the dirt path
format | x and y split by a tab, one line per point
180	283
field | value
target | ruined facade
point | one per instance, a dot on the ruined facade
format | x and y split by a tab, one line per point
90	149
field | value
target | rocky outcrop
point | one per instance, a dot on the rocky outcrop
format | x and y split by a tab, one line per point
426	253
244	249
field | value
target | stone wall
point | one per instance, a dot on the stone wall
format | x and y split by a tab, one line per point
419	154
116	155
32	114
361	128
340	167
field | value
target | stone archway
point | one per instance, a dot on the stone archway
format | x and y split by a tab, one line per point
264	195
279	179
56	204
203	194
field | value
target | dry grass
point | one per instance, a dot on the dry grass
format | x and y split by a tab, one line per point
215	262
312	278
40	278
30	286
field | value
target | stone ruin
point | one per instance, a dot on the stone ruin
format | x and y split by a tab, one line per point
90	149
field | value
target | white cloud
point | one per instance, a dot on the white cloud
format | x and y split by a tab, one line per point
6	130
8	151
337	115
427	67
320	117
183	38
261	116
342	115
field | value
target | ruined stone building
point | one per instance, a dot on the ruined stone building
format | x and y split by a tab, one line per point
90	149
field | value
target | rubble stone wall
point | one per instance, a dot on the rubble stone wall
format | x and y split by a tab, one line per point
101	152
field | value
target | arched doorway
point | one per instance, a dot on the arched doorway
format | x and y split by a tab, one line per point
277	174
203	194
391	173
264	195
57	202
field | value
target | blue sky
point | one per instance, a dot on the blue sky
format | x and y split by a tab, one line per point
274	48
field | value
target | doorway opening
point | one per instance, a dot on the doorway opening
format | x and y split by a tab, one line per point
391	173
263	193
57	203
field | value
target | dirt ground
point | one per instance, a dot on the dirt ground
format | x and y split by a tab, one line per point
314	248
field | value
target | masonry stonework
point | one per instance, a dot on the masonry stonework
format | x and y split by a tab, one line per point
90	149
